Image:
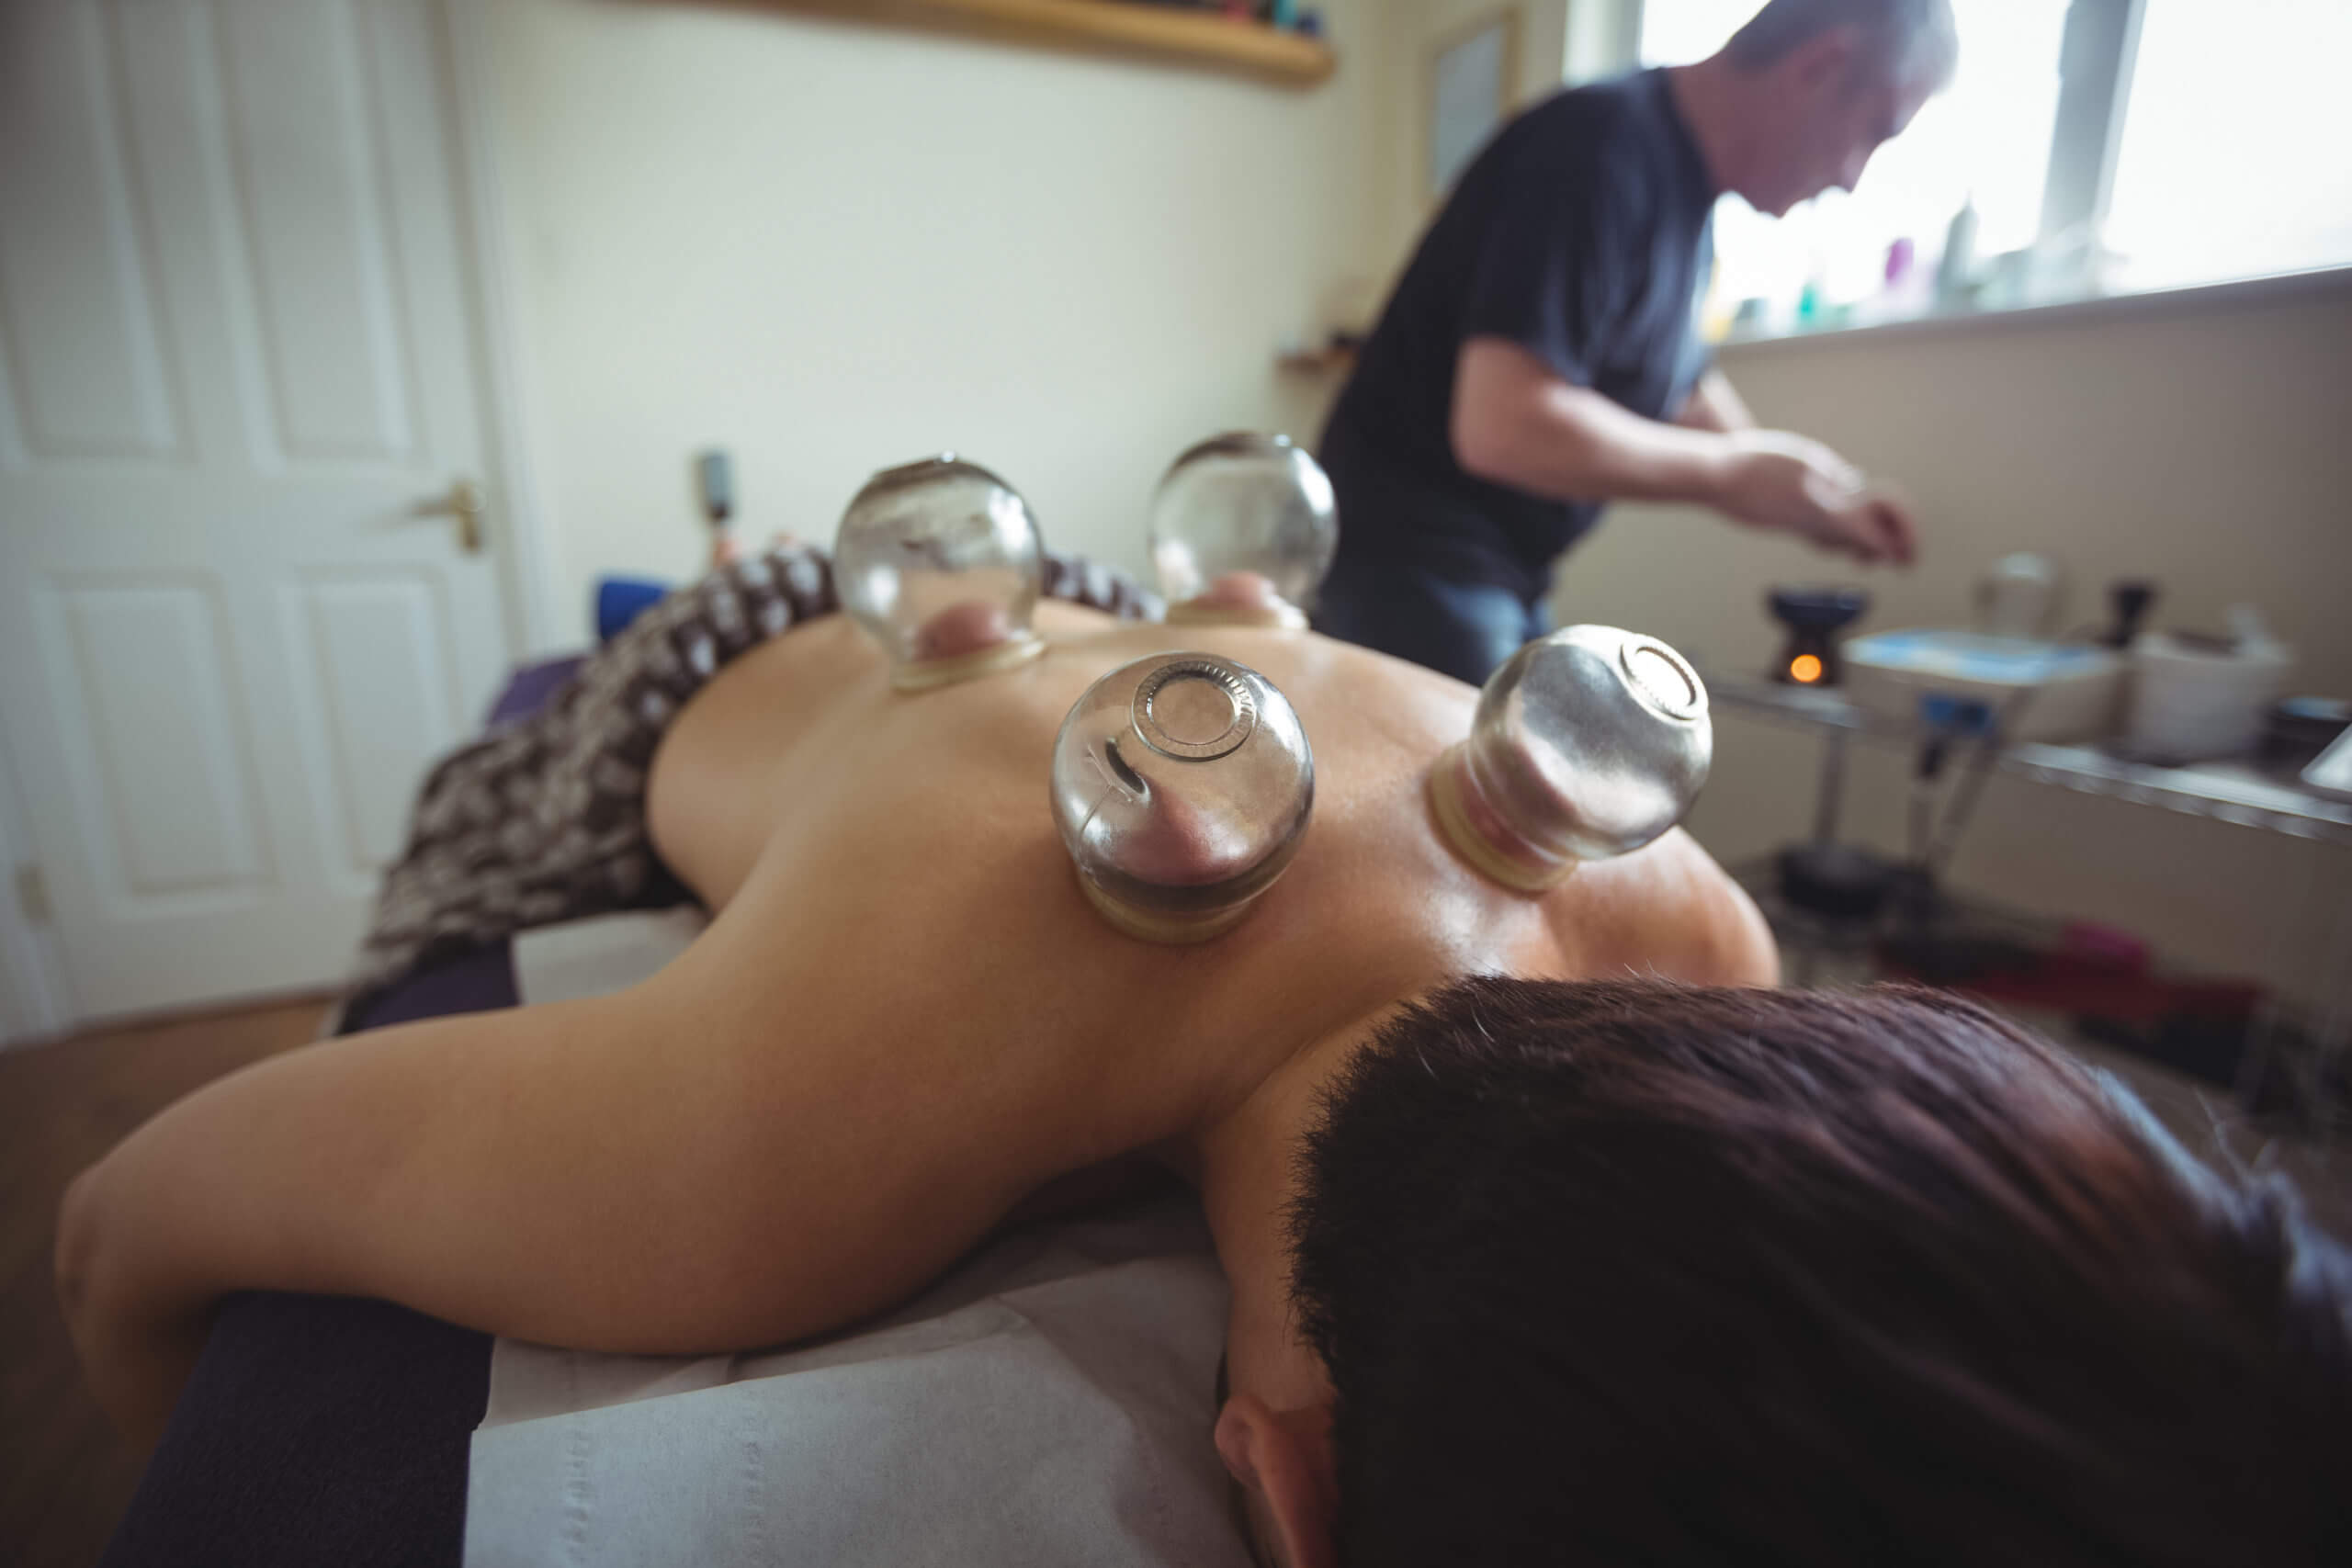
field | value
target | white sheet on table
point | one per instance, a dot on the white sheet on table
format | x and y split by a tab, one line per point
1050	1401
602	953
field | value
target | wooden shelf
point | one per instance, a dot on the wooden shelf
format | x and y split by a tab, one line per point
1336	354
1247	46
1317	361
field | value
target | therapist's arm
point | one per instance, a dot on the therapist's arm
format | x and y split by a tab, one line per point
1517	422
1716	404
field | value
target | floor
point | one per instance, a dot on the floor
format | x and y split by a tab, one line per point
64	1478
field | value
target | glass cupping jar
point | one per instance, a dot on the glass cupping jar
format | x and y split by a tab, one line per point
1181	785
941	562
1586	743
1243	529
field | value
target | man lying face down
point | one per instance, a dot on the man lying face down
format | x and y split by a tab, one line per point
1552	1235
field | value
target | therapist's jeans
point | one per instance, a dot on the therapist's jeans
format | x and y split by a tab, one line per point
1462	629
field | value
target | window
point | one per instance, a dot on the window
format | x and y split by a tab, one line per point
2236	154
2226	162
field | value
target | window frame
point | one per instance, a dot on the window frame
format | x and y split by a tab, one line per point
2097	55
2095	62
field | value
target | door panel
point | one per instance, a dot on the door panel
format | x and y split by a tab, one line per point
167	804
377	692
78	304
311	215
237	353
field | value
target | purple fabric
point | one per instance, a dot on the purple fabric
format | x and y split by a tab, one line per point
528	689
317	1429
475	981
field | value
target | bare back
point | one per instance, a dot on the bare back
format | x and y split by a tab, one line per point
904	1021
890	878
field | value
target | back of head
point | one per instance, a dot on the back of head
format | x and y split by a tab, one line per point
1621	1272
1909	37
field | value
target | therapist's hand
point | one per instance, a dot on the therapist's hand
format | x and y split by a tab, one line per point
1774	479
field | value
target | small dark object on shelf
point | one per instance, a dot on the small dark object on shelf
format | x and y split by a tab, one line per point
2300	729
1815	616
2131	597
1337	351
1971	960
1838	881
715	477
2210	1046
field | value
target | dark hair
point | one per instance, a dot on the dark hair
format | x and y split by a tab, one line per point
1905	35
1623	1272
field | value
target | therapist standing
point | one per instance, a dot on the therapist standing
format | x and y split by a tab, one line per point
1540	356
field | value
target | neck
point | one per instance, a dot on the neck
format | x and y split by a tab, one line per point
1712	97
1249	1178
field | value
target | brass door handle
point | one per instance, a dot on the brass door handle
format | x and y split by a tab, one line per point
463	502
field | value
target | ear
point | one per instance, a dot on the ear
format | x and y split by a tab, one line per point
1284	1463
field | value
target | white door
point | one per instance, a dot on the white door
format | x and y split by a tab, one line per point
238	352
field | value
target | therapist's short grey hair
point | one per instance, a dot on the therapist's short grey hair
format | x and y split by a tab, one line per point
1914	37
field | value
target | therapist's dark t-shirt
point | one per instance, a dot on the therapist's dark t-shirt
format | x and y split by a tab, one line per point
1583	233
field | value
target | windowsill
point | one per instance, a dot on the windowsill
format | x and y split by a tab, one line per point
2236	294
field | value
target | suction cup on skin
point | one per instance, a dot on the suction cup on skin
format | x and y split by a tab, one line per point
1182	783
1243	527
1588	743
940	562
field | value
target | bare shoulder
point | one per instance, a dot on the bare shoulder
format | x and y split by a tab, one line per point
1669	910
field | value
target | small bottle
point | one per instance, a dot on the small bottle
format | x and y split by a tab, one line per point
941	562
1182	786
1957	269
1243	527
1586	743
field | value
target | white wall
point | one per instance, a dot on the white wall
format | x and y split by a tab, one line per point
2204	446
830	246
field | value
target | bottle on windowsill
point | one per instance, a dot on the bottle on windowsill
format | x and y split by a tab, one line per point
1957	270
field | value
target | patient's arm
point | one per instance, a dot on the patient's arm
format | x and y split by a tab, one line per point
619	1174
